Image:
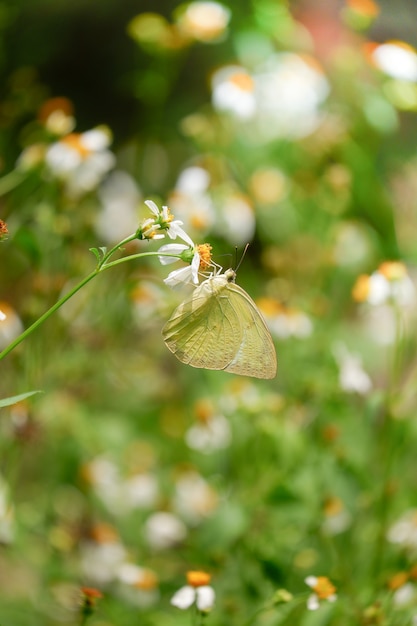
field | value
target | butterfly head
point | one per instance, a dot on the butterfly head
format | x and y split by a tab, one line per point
230	275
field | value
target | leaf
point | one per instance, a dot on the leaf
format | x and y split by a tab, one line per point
96	253
15	399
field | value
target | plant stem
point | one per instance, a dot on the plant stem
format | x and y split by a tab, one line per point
10	181
103	265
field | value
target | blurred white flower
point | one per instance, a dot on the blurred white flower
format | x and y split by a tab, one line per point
352	376
141	491
209	435
120	495
194	498
285	322
336	518
397	59
197	591
204	21
100	560
404	595
57	115
138	585
390	283
81	160
290	90
404	531
191	202
233	90
237	220
10	325
164	530
323	590
120	197
193	180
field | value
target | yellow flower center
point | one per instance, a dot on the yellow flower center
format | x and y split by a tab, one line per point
242	80
324	588
204	250
73	140
360	289
398	580
393	270
147	581
203	411
198	578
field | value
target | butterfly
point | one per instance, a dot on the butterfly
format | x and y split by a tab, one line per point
219	327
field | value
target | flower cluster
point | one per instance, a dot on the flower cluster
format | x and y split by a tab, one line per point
79	161
390	283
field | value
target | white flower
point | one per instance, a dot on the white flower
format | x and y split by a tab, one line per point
289	90
166	221
323	590
194	498
81	160
210	435
191	201
204	598
233	91
100	561
396	59
193	180
197	591
390	283
119	196
164	530
404	531
204	21
404	595
183	275
285	322
352	376
237	220
138	585
10	325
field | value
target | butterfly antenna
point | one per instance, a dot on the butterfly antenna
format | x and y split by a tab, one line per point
242	257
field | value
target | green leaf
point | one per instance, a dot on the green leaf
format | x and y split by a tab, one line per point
96	253
15	399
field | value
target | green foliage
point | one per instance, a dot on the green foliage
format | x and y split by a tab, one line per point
265	122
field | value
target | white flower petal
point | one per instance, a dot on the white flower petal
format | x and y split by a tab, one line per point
311	581
152	206
173	248
175	231
184	597
177	278
205	598
313	602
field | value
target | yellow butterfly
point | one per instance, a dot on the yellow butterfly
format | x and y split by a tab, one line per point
219	327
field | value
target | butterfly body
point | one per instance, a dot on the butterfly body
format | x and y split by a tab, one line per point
219	327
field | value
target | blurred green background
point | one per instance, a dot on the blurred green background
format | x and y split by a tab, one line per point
130	468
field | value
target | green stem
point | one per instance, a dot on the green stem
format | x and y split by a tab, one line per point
10	181
103	265
47	314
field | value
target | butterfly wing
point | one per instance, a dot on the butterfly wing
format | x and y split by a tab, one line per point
256	354
200	332
219	327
